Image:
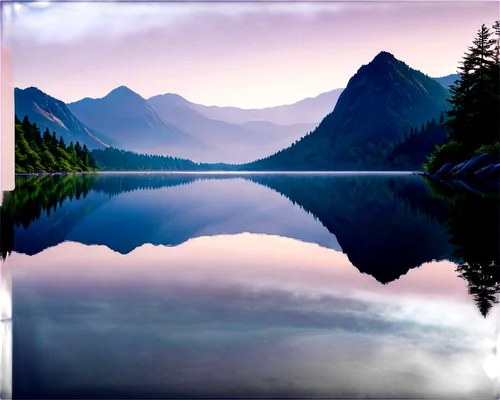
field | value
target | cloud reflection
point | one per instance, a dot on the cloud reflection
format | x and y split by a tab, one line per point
244	282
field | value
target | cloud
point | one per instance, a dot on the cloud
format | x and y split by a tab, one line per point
7	11
67	22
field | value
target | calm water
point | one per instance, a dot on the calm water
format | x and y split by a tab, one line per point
213	286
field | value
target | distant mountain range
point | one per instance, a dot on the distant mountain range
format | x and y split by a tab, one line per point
131	121
307	111
165	124
381	101
447	80
239	141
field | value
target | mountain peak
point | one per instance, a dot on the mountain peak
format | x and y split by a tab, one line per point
384	56
28	89
51	113
34	93
381	101
122	90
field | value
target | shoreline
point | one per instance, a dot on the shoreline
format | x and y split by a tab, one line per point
51	173
223	172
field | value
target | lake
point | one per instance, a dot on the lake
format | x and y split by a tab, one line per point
251	286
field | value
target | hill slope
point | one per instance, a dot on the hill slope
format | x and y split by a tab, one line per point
47	112
381	101
131	122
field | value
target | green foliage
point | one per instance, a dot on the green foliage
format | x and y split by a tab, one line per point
451	151
492	149
37	153
474	118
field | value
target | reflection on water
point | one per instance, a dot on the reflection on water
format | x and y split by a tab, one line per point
5	291
141	286
6	359
5	333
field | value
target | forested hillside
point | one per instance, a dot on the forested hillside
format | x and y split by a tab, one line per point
410	153
112	159
37	152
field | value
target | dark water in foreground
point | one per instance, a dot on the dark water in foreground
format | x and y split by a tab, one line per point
213	286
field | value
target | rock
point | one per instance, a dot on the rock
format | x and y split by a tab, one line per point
474	164
489	169
443	171
457	167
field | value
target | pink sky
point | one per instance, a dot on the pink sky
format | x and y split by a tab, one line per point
250	55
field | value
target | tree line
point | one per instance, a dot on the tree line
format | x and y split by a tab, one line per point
473	121
37	152
112	159
418	142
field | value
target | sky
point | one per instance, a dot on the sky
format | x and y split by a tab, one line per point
249	55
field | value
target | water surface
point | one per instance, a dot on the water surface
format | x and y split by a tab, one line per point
260	285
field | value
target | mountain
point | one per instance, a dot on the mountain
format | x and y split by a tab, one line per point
229	142
447	80
131	122
48	112
307	111
381	101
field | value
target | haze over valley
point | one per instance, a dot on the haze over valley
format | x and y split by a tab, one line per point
171	125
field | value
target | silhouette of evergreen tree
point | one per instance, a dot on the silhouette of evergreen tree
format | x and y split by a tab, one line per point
474	117
472	223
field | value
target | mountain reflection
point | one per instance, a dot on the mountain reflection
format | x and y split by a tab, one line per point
386	225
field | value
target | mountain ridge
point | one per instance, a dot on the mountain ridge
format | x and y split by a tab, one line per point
48	112
169	124
447	80
133	123
309	110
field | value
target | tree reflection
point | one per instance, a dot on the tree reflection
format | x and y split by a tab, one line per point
35	196
472	222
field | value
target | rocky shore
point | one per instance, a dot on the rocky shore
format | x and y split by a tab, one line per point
480	174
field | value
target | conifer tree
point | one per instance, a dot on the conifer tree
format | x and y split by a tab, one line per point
470	118
496	28
62	145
